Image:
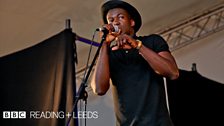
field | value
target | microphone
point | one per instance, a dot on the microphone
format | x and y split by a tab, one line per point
114	29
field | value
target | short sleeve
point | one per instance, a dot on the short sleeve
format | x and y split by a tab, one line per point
155	42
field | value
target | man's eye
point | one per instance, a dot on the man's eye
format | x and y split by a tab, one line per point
110	20
121	17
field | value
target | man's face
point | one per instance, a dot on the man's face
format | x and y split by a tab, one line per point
122	19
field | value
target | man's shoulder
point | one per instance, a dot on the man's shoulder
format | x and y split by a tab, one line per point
150	36
155	42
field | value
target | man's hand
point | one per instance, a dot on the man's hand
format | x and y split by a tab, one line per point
125	41
112	33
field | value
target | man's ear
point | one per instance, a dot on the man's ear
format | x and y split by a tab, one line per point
132	23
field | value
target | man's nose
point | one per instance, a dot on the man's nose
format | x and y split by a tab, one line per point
116	21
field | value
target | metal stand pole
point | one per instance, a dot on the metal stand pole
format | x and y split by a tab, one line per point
82	94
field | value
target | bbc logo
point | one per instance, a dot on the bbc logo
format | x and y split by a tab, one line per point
14	114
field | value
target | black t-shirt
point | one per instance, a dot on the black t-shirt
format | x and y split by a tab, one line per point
139	94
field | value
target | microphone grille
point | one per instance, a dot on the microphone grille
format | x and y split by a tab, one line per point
116	29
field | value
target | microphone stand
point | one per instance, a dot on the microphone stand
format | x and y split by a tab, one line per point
82	94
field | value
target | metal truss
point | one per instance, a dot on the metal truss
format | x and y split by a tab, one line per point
194	28
188	31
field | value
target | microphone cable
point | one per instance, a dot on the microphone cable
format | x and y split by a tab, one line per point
90	50
85	72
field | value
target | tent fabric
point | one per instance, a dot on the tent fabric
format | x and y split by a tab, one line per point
195	100
40	78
